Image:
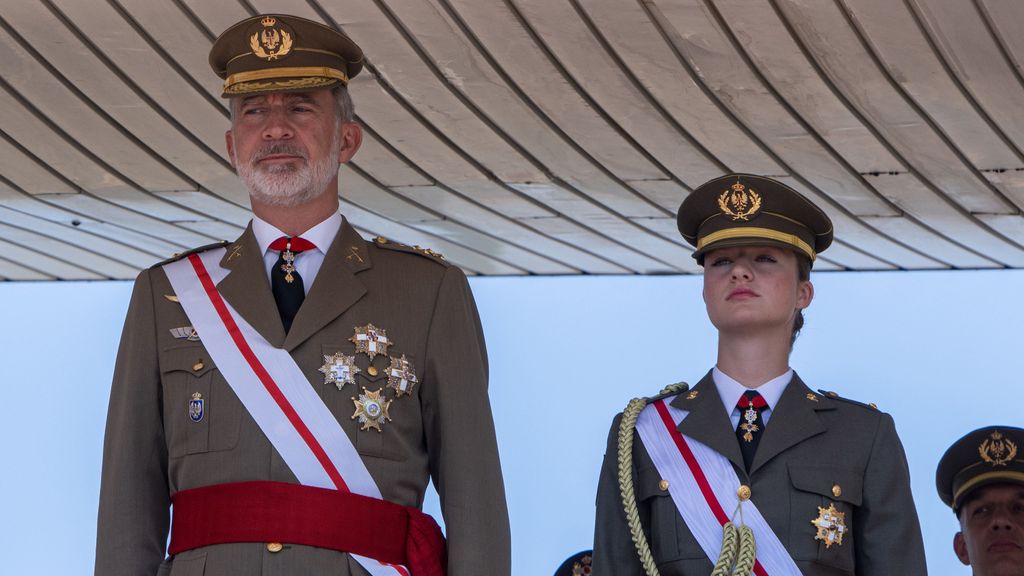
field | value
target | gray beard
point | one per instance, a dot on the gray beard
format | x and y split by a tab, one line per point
288	186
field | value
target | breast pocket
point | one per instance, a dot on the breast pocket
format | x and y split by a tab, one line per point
823	514
669	537
201	412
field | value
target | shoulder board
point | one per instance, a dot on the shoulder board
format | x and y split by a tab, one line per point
834	396
669	391
186	253
382	242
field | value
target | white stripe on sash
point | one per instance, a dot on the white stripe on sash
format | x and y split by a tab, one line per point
704	489
240	358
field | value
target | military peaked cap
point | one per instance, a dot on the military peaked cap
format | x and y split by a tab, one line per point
992	455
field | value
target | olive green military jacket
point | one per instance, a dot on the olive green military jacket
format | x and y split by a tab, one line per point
442	431
812	443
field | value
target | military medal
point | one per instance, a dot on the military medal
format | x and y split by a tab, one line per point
185	333
289	262
370	340
339	369
831	525
401	375
195	407
371	409
748	427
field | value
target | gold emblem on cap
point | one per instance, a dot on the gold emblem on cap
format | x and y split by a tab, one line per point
582	568
739	203
831	525
270	43
997	450
371	409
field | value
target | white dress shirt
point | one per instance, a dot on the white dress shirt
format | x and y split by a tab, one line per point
308	262
730	391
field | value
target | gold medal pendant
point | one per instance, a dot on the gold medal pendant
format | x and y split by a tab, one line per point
831	525
748	427
289	263
339	369
371	409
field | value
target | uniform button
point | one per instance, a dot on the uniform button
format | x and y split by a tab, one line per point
837	490
743	492
371	371
275	547
663	485
198	366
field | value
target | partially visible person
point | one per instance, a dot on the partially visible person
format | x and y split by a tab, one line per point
981	477
576	565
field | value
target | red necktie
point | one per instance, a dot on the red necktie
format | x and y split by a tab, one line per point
285	282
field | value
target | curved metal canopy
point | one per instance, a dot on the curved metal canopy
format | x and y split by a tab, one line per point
530	136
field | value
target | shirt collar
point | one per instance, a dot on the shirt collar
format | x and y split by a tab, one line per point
322	235
730	390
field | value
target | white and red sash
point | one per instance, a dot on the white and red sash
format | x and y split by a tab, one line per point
703	485
273	389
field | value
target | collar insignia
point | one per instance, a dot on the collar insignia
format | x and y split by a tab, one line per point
997	450
739	203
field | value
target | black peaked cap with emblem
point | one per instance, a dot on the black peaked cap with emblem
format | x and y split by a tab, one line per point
576	565
990	455
281	53
751	210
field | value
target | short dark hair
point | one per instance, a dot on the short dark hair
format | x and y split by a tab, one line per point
803	274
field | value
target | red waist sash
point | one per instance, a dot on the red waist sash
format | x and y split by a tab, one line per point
296	514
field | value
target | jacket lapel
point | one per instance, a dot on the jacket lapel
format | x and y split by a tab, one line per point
335	289
247	289
792	421
708	422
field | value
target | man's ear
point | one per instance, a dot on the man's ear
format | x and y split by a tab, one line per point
960	547
351	138
229	142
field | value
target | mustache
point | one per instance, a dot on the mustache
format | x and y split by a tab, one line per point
278	148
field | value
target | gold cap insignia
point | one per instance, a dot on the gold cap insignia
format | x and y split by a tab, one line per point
401	375
997	450
739	203
371	340
831	525
272	42
339	369
371	409
582	568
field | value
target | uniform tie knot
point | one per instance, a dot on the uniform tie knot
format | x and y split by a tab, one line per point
295	244
751	399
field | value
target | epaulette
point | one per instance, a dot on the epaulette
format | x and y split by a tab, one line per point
835	396
186	253
669	391
383	242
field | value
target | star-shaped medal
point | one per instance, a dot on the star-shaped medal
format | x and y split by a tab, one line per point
831	525
401	376
371	340
371	409
339	369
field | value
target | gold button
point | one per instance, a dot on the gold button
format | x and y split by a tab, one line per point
198	366
275	547
663	485
381	240
743	492
831	394
837	490
873	405
371	371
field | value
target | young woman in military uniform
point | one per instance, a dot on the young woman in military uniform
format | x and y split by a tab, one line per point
750	470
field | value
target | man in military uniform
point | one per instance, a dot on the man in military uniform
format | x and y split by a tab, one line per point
292	393
981	477
698	478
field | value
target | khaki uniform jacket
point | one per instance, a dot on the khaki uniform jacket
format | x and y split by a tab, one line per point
443	431
809	446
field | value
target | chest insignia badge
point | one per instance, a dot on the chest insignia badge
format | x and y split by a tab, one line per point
339	369
371	409
195	407
831	525
185	333
997	450
371	341
401	375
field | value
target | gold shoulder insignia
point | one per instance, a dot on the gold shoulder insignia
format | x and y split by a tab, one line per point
186	253
383	242
835	396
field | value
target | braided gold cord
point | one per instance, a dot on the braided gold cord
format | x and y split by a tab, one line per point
730	542
747	554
